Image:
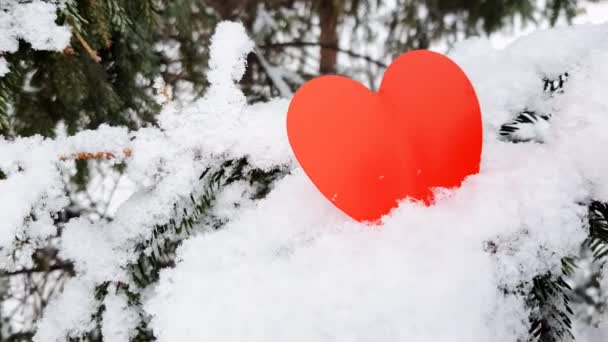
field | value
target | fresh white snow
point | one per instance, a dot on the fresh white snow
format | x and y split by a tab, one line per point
33	22
294	268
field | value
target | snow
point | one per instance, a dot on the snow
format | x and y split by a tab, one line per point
238	129
227	55
591	13
69	313
3	66
119	319
293	267
33	22
34	182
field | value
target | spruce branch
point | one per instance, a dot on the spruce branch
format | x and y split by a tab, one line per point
598	231
509	131
158	251
551	316
8	84
551	297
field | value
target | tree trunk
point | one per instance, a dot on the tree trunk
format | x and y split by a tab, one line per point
329	12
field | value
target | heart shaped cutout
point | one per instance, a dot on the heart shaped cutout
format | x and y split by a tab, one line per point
366	151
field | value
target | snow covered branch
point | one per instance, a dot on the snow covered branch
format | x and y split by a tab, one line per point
33	22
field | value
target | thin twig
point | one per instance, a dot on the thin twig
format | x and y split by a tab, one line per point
90	51
276	80
105	212
327	46
95	155
65	266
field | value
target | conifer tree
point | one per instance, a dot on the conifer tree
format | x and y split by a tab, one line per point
120	47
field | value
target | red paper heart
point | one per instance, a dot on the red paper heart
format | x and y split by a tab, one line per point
365	151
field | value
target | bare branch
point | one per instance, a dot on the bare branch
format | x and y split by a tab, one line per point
326	46
90	51
63	266
95	155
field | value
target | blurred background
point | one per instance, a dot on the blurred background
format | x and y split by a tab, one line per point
121	48
124	54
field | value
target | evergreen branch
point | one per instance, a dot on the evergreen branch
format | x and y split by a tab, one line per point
19	337
118	16
550	298
8	83
555	86
598	230
509	130
71	15
61	266
551	318
158	251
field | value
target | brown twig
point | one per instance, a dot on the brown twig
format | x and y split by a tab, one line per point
69	51
95	155
90	51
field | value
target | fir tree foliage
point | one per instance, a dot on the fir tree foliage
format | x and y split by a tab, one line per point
598	230
158	252
119	47
193	215
103	77
107	72
552	297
